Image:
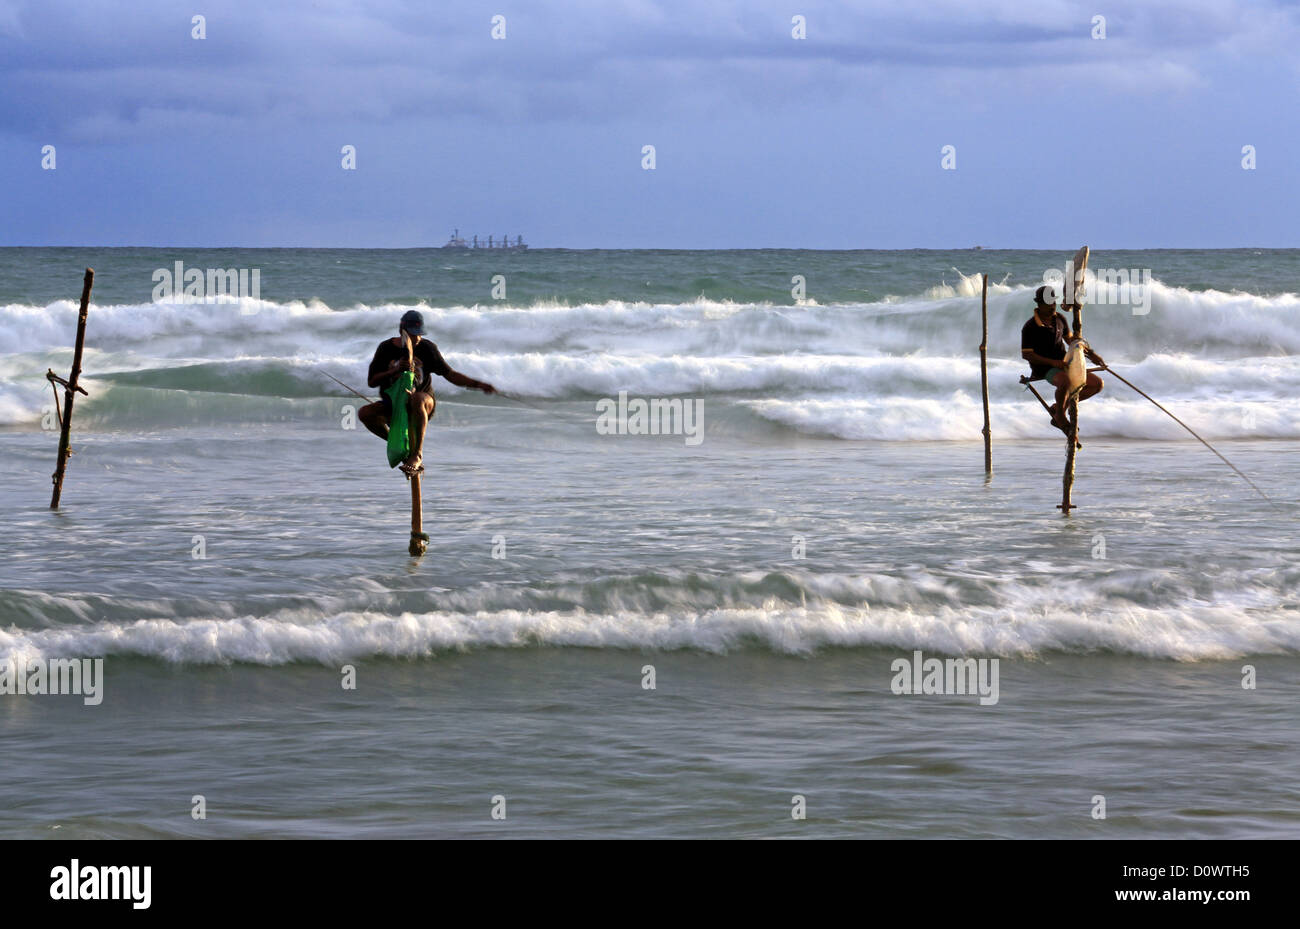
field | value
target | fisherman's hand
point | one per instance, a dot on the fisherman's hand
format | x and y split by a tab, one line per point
486	387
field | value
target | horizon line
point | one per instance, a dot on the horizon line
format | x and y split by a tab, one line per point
664	248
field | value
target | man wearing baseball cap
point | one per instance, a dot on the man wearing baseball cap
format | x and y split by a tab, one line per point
389	362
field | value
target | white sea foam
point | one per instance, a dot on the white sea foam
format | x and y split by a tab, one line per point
1208	323
1197	631
904	369
960	418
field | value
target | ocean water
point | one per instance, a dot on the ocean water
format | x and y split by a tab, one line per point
833	518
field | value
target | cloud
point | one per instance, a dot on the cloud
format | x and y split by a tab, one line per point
9	22
97	70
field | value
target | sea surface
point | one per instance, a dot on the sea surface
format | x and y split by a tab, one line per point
651	636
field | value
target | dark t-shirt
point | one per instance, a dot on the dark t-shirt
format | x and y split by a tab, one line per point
428	361
1048	341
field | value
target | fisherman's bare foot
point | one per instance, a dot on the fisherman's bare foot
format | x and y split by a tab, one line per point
1060	422
412	465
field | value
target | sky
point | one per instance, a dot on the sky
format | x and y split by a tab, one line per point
761	139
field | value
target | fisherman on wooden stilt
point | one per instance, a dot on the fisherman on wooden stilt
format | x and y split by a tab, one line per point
1044	343
403	369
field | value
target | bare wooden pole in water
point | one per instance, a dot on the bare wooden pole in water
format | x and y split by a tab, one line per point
984	378
70	391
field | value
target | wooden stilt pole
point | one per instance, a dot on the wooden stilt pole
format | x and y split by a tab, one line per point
1072	440
70	391
418	545
984	378
1071	443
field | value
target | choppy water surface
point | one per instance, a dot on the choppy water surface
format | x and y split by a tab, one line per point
834	518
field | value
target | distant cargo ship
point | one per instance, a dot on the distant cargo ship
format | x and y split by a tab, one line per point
456	243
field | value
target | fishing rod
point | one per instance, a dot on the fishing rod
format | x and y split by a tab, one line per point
347	388
1192	431
502	393
566	415
510	396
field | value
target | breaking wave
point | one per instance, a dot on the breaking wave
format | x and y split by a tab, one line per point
899	369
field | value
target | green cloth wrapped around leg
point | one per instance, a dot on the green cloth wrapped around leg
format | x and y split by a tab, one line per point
399	430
